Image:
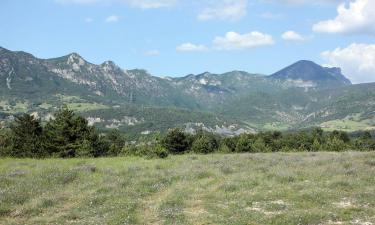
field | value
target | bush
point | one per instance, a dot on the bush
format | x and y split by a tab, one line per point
270	140
5	143
228	144
115	142
342	135
148	151
160	151
84	149
244	143
335	144
260	146
205	144
69	135
365	142
176	141
223	148
316	146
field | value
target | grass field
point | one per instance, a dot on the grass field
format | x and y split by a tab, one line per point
350	124
300	188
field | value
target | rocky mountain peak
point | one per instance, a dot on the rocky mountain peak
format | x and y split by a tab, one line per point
74	58
2	49
109	66
308	71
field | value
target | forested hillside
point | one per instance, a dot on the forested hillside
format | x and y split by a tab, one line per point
299	96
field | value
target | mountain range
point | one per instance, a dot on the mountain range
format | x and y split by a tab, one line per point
301	95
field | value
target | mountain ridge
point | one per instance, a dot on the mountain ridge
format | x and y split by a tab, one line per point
306	70
303	94
76	55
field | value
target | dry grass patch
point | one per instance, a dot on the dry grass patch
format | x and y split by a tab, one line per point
280	188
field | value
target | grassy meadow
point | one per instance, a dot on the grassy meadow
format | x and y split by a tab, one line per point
275	188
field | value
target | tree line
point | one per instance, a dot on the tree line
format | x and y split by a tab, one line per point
69	135
179	142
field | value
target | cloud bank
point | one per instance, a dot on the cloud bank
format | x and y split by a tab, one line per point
356	60
357	17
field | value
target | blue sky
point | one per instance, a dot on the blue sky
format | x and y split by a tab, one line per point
179	37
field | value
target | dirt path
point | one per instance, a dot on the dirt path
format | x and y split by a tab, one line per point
148	212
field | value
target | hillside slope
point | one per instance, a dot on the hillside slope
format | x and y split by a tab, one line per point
301	95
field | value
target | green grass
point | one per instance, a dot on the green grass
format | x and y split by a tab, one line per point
17	107
86	106
279	188
45	106
275	126
349	124
78	104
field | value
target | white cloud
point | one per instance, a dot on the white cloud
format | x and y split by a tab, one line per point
356	18
357	61
292	36
151	4
270	15
301	2
153	52
79	1
189	47
236	41
224	10
143	4
112	19
88	20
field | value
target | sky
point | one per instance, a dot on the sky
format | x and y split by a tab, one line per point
180	37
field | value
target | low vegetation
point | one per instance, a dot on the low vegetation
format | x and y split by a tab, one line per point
181	178
259	188
69	135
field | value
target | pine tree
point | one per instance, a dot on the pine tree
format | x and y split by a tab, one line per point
69	135
176	141
26	137
115	141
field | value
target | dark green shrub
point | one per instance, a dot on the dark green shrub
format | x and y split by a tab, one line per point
335	144
365	142
342	135
205	144
244	143
148	151
5	143
176	141
115	141
26	137
260	146
228	144
316	146
160	151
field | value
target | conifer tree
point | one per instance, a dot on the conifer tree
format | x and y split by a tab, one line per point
176	141
69	135
115	141
26	137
